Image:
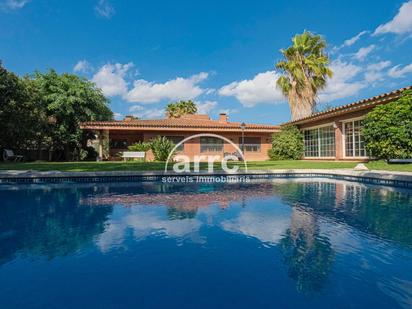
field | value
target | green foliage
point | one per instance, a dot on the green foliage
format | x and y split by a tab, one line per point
88	154
305	72
71	100
161	148
28	104
140	146
22	117
388	129
178	109
287	144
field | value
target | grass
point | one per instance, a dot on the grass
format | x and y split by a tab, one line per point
156	166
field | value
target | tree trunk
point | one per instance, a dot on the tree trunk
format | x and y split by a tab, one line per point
301	105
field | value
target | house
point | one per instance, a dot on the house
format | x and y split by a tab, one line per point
118	135
336	134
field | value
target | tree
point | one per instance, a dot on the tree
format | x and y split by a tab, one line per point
21	114
287	144
70	100
178	109
305	72
388	129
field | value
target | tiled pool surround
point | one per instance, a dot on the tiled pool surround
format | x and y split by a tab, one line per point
396	179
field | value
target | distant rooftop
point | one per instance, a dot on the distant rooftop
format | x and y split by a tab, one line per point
184	123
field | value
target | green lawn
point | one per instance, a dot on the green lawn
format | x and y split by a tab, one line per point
154	166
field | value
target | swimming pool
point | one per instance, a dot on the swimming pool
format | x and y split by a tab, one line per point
284	243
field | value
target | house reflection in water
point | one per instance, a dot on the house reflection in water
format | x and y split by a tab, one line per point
289	216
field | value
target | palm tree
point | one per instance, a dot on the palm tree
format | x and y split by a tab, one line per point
178	109
304	73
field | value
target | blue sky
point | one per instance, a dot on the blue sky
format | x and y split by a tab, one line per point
221	54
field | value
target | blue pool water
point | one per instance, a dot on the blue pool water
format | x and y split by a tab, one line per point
311	243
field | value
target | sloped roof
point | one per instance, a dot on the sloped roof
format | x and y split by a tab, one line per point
352	107
188	123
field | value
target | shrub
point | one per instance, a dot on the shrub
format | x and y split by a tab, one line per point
139	146
388	129
287	144
161	148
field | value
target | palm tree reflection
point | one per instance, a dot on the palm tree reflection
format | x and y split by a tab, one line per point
307	254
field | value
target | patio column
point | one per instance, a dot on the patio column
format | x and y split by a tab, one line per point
338	140
104	149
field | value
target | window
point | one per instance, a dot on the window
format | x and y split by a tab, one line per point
118	144
211	144
327	141
176	140
251	144
354	143
320	142
311	143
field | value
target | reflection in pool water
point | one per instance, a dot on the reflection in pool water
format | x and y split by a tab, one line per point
282	243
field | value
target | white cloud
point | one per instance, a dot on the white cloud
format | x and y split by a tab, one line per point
144	222
378	66
110	78
104	9
374	71
354	39
363	52
176	89
398	72
260	89
118	116
15	4
268	227
146	113
229	111
400	24
342	84
350	42
205	107
83	66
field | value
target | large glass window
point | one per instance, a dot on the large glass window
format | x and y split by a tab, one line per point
354	143
211	144
320	142
251	144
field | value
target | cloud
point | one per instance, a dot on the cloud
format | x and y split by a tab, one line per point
266	227
400	24
374	71
354	39
363	52
342	84
118	116
398	72
110	78
176	89
83	66
147	113
144	222
350	42
229	111
205	107
260	89
104	9
15	4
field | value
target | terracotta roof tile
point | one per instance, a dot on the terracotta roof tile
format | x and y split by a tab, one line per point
358	105
194	122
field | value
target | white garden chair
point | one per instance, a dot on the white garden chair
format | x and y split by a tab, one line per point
8	155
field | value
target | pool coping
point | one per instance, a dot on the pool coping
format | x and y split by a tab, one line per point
389	178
